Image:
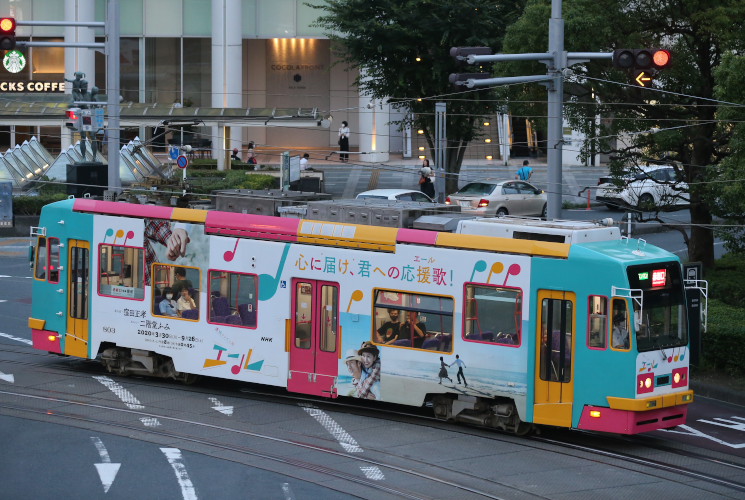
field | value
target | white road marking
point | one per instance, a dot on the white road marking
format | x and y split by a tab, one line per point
127	397
694	432
13	337
289	494
227	410
8	377
106	470
150	421
345	440
182	476
373	472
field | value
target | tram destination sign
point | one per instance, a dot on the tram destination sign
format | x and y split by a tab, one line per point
31	87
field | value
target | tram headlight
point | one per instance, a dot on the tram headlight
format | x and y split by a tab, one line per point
680	377
645	383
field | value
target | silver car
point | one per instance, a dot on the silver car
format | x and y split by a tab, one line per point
500	198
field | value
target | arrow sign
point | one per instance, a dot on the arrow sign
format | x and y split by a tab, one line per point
8	377
643	78
106	470
226	410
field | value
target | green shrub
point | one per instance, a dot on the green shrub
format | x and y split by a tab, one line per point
31	205
727	279
723	344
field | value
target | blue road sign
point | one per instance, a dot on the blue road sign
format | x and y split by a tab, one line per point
182	161
173	152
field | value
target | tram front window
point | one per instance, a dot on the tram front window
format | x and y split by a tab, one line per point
660	326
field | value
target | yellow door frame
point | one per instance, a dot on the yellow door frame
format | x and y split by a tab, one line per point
78	302
553	400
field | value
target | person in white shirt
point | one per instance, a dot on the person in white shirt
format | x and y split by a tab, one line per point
460	364
344	141
304	162
185	302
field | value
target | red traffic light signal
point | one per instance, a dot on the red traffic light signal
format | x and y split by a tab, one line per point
72	114
7	33
641	58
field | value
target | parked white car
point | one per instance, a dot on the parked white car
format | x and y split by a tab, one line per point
395	194
657	186
500	198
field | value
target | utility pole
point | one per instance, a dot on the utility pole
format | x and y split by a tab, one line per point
556	60
111	48
441	150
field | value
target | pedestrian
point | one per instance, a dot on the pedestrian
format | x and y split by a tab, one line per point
234	156
460	364
525	172
426	185
304	162
251	155
344	141
444	371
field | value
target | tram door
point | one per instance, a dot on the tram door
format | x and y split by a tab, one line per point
314	338
554	377
76	337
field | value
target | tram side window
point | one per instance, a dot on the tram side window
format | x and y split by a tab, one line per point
597	329
121	272
47	259
620	330
493	314
412	320
40	271
233	298
180	283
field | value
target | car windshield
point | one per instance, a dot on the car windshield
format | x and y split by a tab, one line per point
660	326
477	189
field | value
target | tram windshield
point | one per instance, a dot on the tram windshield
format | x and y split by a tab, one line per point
660	325
660	320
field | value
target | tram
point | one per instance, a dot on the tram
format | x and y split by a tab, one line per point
508	324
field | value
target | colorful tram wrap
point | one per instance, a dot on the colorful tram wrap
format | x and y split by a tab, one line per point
590	333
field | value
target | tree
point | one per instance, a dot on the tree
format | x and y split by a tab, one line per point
402	50
678	125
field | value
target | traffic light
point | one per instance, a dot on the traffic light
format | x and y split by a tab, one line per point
7	33
73	118
461	79
462	53
641	58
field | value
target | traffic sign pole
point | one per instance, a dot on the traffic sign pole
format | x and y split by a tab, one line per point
182	162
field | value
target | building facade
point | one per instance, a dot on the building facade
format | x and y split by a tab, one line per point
199	53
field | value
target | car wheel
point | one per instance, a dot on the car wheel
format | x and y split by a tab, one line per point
646	202
502	212
544	212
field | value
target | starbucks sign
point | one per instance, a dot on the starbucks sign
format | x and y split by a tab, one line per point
14	61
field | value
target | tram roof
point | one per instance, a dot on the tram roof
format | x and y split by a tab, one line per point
322	232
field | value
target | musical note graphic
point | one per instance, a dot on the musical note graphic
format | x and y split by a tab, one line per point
497	268
268	284
230	254
130	235
480	266
514	270
109	232
119	234
357	295
236	369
